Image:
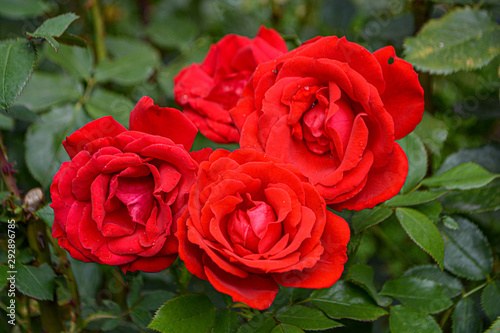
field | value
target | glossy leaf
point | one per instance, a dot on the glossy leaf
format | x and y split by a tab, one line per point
77	61
495	327
369	217
344	300
431	209
17	61
362	275
305	318
404	319
486	156
226	322
54	27
104	102
462	177
467	317
462	39
414	198
423	232
418	293
260	323
477	200
18	9
450	223
46	213
417	158
466	251
286	328
490	300
451	286
433	133
36	282
186	313
154	299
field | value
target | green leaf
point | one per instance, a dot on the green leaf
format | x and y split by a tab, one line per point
414	198
433	133
450	223
467	317
226	322
451	286
46	90
134	62
89	278
36	282
104	102
17	61
154	299
344	300
404	320
466	251
186	313
3	276
19	9
54	27
486	156
477	200
305	318
77	61
462	39
141	316
490	300
362	275
6	123
134	290
462	177
46	213
260	323
423	232
369	217
44	152
431	209
174	32
418	293
286	328
417	158
495	327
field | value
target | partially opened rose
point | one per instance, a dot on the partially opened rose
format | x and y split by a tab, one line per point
254	222
116	201
334	110
207	91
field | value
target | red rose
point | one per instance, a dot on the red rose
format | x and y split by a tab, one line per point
207	91
116	201
334	110
253	223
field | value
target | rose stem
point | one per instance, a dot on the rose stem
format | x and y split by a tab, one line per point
99	32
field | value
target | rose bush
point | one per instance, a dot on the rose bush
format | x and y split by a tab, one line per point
253	222
116	201
334	110
207	91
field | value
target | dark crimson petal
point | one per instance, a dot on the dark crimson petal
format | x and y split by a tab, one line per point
167	122
331	265
97	129
255	290
403	96
382	184
150	265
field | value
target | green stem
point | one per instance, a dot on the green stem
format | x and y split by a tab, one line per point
118	288
99	31
470	292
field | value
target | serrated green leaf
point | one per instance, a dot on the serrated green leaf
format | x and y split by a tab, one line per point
417	159
473	201
423	232
18	9
462	39
226	322
433	133
466	251
17	61
418	293
286	328
451	286
260	323
133	62
362	275
186	313
490	300
77	61
369	217
414	198
344	300
46	213
462	177
467	317
431	209
44	152
46	90
104	102
486	156
36	282
305	318
54	27
404	319
495	327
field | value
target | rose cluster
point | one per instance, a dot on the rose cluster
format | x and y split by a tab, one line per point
317	128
